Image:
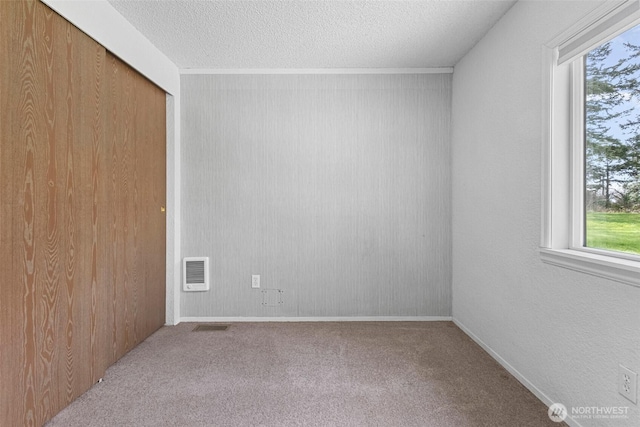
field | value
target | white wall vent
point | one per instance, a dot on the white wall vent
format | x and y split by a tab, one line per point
195	274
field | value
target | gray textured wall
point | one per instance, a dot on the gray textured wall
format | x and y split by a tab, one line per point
334	188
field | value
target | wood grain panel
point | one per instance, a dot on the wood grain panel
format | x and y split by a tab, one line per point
73	292
86	122
129	201
146	230
110	185
67	111
100	213
48	184
11	337
152	178
137	167
141	189
118	133
27	214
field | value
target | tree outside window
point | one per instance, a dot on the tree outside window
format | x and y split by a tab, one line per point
612	144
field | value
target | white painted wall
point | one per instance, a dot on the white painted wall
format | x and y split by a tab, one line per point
99	20
561	332
174	212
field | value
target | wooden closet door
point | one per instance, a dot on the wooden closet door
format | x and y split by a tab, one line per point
82	180
47	71
136	164
149	186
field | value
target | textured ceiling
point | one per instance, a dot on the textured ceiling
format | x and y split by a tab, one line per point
313	34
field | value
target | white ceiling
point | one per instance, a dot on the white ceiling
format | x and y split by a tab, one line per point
277	34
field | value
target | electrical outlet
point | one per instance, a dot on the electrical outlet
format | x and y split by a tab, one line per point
628	383
255	281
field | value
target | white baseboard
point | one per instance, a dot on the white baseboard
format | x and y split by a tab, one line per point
267	71
513	371
320	319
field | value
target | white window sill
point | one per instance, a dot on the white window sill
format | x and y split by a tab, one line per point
618	269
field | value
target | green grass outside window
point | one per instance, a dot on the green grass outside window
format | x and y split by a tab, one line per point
614	231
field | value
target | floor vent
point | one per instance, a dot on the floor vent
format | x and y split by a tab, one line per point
208	328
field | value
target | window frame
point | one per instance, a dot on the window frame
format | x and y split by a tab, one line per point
562	234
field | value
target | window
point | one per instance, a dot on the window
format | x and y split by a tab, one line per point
591	169
611	144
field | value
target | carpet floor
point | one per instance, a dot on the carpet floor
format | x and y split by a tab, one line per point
307	374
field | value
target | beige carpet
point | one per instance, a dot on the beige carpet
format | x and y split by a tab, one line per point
308	374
